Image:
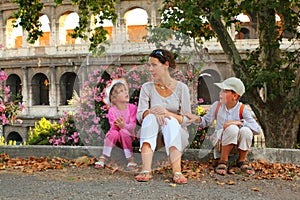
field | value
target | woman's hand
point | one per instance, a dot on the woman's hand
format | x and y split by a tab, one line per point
160	113
192	118
161	120
232	122
158	110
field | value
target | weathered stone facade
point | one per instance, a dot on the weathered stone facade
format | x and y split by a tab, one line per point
45	72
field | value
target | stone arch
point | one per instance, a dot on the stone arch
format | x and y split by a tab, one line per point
61	10
107	25
136	29
244	33
14	136
40	89
279	18
67	86
45	39
15	85
65	28
246	23
206	88
14	35
141	4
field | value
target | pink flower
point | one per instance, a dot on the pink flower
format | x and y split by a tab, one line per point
200	100
2	108
3	75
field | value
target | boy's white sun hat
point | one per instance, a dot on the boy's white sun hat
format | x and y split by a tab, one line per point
110	86
234	84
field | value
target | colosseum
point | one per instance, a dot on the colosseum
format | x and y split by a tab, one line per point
45	72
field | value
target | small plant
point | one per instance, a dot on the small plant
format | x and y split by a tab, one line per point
67	134
2	140
42	131
9	109
200	134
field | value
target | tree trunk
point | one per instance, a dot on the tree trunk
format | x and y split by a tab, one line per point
280	122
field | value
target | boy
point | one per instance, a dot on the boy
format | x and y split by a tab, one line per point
234	125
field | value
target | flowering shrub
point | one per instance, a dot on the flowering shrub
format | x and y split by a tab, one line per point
199	133
90	111
41	132
9	109
67	133
62	133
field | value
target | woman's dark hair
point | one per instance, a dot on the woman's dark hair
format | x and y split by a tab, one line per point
163	56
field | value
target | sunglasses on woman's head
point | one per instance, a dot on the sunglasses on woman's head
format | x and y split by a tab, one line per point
159	53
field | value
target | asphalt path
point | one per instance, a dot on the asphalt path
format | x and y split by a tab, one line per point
89	183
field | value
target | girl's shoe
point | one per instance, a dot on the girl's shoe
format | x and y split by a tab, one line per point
144	176
179	178
131	165
101	163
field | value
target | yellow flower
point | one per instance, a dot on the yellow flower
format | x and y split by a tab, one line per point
200	110
2	140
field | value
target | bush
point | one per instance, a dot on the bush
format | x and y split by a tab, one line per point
42	131
90	113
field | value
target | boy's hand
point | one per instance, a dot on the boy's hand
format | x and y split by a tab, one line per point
119	122
192	118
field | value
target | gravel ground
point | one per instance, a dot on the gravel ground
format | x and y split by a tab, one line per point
89	183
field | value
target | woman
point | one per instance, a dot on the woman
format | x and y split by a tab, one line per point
162	105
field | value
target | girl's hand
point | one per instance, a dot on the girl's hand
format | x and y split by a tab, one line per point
232	122
119	122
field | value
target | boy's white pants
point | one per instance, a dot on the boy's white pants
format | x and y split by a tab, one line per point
242	137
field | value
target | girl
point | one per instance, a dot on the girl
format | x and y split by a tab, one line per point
122	120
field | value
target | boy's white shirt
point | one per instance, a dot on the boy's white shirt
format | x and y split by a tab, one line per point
232	114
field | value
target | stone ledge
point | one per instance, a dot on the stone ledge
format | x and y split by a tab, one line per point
71	152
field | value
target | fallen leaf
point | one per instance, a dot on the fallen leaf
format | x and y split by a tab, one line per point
220	183
230	182
255	189
114	170
173	184
84	160
59	167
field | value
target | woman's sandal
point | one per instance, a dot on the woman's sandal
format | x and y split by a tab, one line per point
222	165
144	176
179	178
244	167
